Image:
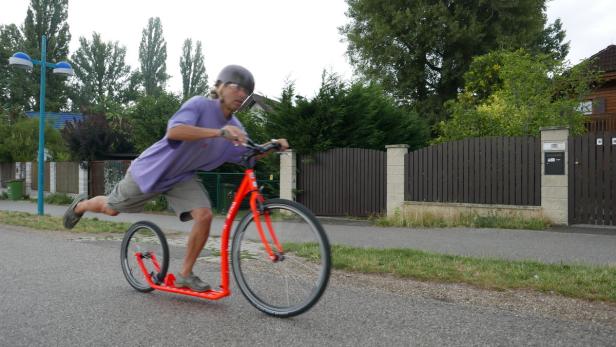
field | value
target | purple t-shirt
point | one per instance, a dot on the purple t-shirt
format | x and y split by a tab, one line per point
168	162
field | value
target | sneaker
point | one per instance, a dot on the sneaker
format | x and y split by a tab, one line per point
70	217
191	281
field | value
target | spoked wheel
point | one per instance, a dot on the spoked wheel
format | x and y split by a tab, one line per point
147	239
293	283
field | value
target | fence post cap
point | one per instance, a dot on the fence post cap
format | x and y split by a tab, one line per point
557	127
397	146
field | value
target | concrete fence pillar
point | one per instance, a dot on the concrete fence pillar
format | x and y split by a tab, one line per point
52	177
555	174
288	174
83	178
28	178
395	177
18	173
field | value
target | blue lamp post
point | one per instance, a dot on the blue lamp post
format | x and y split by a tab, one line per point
23	61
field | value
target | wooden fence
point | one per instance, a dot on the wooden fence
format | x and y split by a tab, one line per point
605	122
7	173
488	170
343	182
34	184
67	177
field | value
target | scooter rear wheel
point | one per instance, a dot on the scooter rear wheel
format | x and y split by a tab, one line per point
147	239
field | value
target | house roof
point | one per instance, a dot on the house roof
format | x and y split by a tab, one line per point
606	59
59	119
260	100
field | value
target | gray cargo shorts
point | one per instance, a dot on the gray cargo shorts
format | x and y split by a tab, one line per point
182	197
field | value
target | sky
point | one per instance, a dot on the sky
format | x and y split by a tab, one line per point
277	40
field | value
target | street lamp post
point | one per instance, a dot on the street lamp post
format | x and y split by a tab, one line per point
23	61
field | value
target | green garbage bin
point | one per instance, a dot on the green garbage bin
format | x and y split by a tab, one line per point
227	193
16	189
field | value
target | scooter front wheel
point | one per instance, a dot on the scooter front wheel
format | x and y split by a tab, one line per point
295	279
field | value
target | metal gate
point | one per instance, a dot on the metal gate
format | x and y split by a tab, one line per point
592	179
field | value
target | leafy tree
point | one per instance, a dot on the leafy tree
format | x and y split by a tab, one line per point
134	89
420	49
552	41
88	139
192	68
255	124
19	141
47	18
153	57
150	116
344	115
93	138
13	83
516	93
101	72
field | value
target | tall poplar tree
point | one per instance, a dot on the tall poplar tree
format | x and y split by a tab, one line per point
192	68
14	92
153	57
49	18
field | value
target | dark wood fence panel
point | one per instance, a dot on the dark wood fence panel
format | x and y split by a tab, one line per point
103	175
96	178
67	177
34	185
7	173
343	182
487	170
592	179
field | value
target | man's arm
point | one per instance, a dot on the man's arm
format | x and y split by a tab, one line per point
191	133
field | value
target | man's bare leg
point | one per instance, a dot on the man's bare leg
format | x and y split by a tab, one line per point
197	238
96	204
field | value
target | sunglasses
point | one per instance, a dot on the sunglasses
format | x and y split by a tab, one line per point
236	87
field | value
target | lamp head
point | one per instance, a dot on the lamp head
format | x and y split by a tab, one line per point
21	60
63	68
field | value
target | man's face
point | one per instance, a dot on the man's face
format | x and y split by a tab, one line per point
233	95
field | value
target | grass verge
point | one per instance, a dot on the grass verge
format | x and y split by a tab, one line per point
58	199
46	222
472	220
576	281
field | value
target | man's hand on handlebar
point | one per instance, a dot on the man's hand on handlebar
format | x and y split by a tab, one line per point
259	151
234	134
284	145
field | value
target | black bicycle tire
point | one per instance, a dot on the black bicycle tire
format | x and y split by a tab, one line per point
164	262
245	288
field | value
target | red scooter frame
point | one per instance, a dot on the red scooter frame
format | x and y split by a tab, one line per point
248	186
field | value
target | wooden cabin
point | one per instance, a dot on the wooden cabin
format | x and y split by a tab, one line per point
600	108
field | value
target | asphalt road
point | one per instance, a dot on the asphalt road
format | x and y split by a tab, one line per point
59	290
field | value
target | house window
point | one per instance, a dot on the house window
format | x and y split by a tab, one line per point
585	107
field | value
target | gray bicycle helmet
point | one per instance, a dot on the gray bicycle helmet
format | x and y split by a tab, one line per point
237	74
